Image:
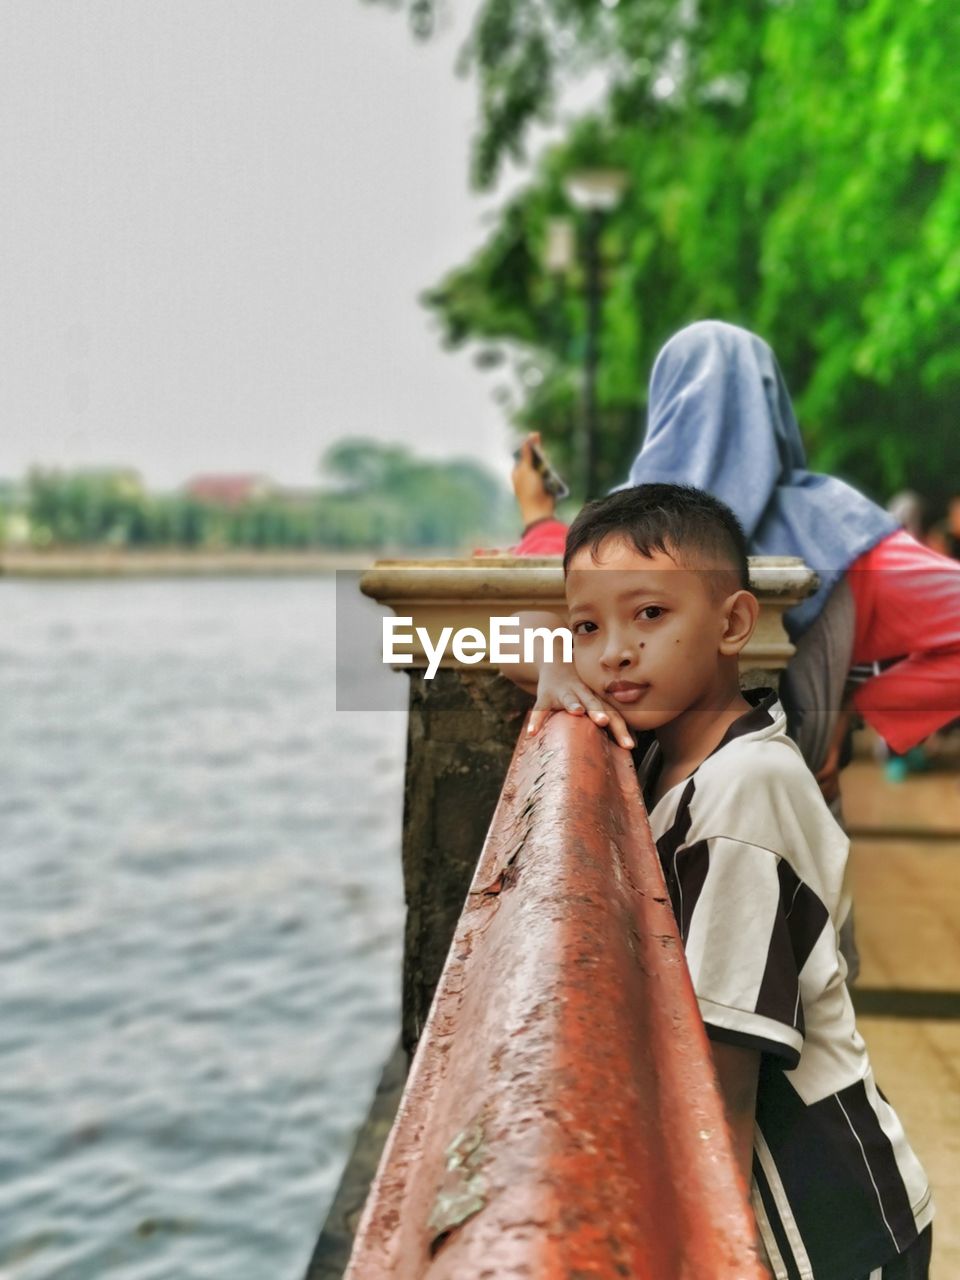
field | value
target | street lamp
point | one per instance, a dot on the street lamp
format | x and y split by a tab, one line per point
595	192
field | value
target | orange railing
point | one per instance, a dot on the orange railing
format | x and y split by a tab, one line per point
561	1117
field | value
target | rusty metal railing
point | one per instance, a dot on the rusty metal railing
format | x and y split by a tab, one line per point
561	1116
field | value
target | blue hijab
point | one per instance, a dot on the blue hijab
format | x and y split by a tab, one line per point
720	418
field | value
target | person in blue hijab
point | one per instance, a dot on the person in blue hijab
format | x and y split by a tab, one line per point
720	418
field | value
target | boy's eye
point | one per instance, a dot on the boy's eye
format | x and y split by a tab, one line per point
584	628
651	612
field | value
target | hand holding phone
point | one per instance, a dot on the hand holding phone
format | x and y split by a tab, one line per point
552	482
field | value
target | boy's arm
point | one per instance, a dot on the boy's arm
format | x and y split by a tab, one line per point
737	1072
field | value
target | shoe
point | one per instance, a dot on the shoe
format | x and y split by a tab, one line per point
916	759
896	769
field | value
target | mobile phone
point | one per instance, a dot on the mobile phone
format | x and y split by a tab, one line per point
553	482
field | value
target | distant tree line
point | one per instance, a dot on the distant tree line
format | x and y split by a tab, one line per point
373	496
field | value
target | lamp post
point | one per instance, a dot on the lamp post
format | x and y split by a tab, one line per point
560	253
594	192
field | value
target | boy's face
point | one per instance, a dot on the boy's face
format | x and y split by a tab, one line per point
647	633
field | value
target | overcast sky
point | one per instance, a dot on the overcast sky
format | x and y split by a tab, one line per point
215	221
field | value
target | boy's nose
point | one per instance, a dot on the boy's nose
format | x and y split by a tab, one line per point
617	657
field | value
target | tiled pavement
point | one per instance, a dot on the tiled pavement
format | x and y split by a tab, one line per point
907	896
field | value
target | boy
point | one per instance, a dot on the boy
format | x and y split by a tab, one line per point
659	604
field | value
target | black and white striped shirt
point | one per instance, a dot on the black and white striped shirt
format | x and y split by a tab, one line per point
756	870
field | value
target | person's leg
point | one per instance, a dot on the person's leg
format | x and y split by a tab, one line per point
813	683
812	692
917	1258
912	1265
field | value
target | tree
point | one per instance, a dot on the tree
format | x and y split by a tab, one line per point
384	495
793	167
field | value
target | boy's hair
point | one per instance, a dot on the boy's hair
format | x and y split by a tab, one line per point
701	531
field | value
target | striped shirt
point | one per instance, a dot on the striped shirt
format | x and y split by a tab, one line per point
755	867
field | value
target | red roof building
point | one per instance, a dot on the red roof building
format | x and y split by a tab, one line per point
228	490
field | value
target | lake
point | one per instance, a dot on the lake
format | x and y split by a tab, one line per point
200	925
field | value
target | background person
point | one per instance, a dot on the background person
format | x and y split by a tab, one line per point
720	418
945	534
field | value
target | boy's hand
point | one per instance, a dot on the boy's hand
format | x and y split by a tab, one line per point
561	689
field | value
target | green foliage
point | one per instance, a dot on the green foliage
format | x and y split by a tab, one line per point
387	496
793	166
87	507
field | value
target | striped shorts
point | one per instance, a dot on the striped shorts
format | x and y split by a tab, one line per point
912	1265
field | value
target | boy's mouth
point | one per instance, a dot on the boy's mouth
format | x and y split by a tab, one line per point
626	690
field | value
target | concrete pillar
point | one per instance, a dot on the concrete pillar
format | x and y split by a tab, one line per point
463	727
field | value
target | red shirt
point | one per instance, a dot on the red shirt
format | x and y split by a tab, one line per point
546	537
907	601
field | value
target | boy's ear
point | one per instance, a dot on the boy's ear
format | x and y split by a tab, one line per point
741	611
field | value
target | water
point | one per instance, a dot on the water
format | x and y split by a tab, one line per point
200	924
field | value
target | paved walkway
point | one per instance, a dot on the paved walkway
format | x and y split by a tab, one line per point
907	894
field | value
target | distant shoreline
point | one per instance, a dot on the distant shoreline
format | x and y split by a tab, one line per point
99	562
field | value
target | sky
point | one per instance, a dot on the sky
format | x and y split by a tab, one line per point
215	222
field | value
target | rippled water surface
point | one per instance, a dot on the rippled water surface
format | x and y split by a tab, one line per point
200	918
